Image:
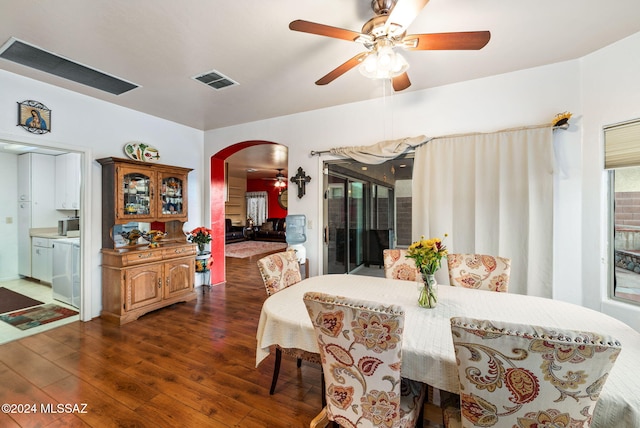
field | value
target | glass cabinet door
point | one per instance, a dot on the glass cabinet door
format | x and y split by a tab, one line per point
172	201
135	200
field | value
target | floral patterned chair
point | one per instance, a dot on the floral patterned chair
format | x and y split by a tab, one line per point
479	271
279	271
361	348
398	266
527	376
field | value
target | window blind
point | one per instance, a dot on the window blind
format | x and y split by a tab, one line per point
622	145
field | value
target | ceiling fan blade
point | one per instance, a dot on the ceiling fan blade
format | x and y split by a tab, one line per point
324	30
343	68
401	82
466	40
404	12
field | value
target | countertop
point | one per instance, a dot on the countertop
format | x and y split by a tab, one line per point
51	233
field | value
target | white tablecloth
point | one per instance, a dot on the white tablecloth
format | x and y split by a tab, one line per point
427	350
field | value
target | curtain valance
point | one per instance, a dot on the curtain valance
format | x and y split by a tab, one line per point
380	152
390	149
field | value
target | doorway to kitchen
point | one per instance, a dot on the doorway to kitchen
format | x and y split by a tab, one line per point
38	202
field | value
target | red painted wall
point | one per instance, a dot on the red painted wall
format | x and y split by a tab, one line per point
256	185
217	220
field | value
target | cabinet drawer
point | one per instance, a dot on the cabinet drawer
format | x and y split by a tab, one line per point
168	253
141	257
41	242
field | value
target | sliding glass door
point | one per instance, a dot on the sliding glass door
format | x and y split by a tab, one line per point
367	208
345	223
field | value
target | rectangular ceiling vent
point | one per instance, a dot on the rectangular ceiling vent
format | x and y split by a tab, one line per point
216	80
31	56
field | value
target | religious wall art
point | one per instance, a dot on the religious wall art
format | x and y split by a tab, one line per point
301	179
34	116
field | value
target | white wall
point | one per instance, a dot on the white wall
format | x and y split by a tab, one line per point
526	97
100	129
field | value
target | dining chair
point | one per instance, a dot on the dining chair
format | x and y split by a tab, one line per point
522	375
398	266
361	348
480	271
279	271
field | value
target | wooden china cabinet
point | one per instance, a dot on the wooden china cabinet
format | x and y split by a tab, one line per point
139	277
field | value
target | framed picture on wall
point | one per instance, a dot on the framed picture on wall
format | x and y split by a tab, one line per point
34	116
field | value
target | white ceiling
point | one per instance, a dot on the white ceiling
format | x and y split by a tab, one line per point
161	44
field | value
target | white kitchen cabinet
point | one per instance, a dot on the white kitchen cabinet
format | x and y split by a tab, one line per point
36	202
42	175
24	240
68	181
24	177
42	259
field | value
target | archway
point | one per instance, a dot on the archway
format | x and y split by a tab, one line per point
217	205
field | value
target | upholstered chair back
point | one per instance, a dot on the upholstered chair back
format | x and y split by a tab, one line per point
479	271
279	270
398	266
361	349
525	376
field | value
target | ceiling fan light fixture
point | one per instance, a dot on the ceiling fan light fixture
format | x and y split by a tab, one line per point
383	63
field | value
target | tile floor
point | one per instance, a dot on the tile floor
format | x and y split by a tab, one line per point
38	291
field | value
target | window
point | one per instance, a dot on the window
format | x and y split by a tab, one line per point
257	207
622	159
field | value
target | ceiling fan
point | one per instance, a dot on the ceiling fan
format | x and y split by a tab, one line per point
280	179
386	31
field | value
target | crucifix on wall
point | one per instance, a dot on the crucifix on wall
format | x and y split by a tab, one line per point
301	179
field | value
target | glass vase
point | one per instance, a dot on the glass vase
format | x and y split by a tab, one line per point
200	248
429	292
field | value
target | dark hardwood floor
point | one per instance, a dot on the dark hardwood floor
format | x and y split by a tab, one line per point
188	365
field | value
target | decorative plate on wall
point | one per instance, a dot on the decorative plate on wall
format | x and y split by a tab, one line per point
283	199
141	152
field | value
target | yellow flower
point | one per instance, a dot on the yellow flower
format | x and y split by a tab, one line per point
427	254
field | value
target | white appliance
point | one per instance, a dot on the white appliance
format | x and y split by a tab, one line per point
66	271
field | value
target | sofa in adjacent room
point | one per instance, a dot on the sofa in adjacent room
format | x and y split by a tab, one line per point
232	233
273	229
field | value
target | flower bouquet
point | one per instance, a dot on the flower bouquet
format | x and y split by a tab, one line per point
200	236
428	255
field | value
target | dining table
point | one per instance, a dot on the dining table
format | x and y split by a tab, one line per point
428	355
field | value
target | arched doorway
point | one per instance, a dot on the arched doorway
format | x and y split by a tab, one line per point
217	204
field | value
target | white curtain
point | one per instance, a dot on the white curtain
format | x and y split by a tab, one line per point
257	207
492	194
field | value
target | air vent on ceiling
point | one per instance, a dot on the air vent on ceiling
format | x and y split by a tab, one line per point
215	79
31	56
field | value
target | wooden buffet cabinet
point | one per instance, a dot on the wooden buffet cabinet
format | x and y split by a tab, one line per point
139	278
